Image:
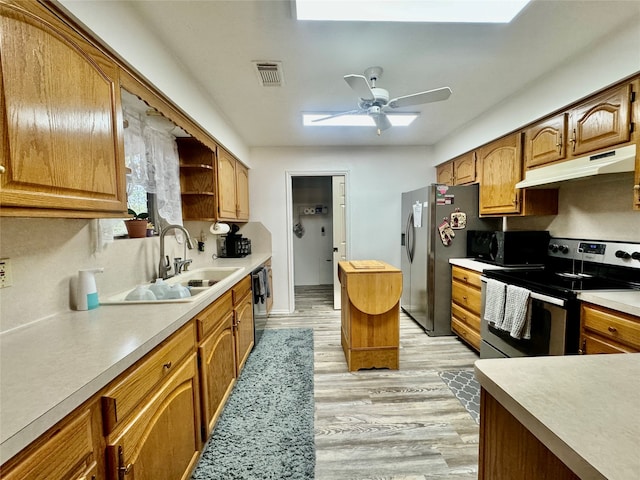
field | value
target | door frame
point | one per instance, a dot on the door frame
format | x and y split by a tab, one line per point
289	186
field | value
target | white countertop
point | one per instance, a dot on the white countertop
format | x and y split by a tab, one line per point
585	409
50	367
627	301
472	264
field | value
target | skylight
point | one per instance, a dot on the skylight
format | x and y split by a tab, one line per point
435	11
355	120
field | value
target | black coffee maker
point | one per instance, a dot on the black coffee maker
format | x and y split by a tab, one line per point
234	245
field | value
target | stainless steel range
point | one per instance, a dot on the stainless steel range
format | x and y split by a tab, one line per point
572	266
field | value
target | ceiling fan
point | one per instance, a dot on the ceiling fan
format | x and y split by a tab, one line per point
374	101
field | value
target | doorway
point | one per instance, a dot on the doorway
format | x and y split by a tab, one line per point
317	234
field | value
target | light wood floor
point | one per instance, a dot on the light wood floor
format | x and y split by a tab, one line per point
385	424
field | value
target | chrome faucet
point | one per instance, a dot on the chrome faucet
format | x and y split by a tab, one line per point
179	264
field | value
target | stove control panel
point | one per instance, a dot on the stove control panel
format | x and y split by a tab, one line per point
624	254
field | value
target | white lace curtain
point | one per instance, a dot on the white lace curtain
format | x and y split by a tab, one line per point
152	156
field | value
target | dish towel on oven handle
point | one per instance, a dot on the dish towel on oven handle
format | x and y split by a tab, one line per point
495	294
517	312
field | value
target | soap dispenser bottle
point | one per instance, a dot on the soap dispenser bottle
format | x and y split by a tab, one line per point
87	292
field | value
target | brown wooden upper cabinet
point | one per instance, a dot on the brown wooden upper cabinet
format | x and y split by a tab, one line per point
444	173
61	120
214	185
501	168
233	188
197	180
545	142
600	122
459	171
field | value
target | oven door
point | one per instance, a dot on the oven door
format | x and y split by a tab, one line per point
548	331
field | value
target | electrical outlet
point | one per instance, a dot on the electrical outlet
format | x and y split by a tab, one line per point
5	273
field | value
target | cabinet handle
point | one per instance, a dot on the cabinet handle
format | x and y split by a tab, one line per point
612	329
572	140
464	298
559	144
122	469
167	365
465	279
2	169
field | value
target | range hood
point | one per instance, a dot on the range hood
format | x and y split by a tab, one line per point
614	161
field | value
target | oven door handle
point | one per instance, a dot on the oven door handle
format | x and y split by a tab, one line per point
543	298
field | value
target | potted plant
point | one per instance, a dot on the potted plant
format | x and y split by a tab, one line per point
137	226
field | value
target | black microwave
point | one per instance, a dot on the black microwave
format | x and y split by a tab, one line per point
524	247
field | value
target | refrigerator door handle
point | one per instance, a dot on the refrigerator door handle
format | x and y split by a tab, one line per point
409	245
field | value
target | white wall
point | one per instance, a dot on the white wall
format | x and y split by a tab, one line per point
376	177
600	65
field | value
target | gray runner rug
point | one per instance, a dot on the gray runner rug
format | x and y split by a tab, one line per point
266	429
466	388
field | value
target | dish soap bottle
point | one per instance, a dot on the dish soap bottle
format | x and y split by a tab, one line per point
87	292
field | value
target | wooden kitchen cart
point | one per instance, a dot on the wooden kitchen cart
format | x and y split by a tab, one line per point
370	313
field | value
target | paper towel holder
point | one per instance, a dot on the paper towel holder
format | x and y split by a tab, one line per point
220	228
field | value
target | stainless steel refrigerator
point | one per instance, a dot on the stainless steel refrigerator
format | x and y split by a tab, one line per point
426	272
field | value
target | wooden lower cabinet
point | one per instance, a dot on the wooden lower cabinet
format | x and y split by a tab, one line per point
162	440
608	331
243	321
70	450
216	359
466	305
151	421
509	451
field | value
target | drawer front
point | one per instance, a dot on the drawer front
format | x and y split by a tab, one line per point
240	289
65	453
465	316
465	276
612	325
214	315
595	345
131	389
466	333
466	296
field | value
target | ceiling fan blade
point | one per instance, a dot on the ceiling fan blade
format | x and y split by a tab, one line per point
359	84
429	96
350	112
382	122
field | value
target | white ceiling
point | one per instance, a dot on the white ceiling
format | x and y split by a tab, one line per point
216	41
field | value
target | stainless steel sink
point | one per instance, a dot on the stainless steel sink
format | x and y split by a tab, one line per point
216	275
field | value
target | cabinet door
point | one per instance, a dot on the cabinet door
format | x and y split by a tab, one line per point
61	120
244	334
217	370
464	169
67	451
501	167
226	185
162	441
242	191
602	121
545	141
444	173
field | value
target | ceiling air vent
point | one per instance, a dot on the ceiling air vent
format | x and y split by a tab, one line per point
269	73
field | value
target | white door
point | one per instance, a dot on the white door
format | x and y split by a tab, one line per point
339	232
